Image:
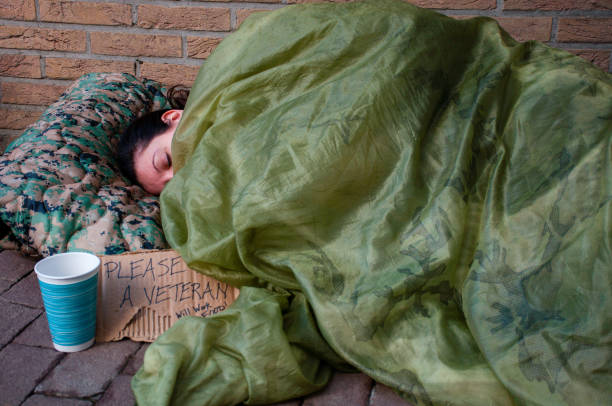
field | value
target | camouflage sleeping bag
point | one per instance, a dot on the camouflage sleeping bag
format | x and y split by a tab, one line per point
60	184
423	199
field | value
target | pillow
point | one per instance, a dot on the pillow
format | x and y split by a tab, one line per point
60	184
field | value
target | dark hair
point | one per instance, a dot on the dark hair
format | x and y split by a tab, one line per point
146	127
177	96
137	136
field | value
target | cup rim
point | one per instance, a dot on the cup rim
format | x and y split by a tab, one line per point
66	277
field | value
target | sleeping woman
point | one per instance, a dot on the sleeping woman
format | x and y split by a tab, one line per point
421	198
145	148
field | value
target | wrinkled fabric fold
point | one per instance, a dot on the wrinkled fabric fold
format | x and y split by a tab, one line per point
439	193
265	348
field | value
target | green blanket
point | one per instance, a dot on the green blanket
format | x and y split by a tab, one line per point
419	198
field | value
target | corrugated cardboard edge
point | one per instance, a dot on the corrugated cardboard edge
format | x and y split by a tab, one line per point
144	323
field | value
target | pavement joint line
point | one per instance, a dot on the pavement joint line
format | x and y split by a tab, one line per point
17	303
129	360
371	392
13	337
47	372
15	282
120	369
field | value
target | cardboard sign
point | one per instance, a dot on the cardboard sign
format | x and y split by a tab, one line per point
140	295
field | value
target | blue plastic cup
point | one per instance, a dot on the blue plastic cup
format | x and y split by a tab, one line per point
69	288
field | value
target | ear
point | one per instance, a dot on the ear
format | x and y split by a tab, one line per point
172	117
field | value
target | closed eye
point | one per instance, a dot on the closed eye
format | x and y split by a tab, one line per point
168	160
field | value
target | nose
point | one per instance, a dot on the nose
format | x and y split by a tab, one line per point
166	176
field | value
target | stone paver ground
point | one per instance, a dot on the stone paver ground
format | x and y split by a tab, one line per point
33	373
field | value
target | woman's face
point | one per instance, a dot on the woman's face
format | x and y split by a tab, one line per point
153	163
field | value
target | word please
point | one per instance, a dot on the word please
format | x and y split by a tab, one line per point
142	268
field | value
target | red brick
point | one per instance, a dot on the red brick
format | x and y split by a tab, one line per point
384	396
557	5
64	11
199	47
65	68
169	74
87	373
527	28
30	93
599	58
107	43
343	389
22	367
242	14
523	28
42	38
6	137
17	119
184	18
23	66
18	9
585	30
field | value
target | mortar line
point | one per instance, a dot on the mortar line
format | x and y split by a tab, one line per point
45	374
233	19
553	30
43	66
112	29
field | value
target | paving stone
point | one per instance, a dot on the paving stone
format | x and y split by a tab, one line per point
13	318
41	400
136	360
4	285
88	373
36	334
343	389
22	368
25	292
14	266
382	395
119	393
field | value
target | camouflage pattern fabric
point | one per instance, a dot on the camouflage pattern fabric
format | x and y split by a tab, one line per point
60	185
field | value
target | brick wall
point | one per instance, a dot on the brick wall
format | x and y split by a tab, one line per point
45	44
